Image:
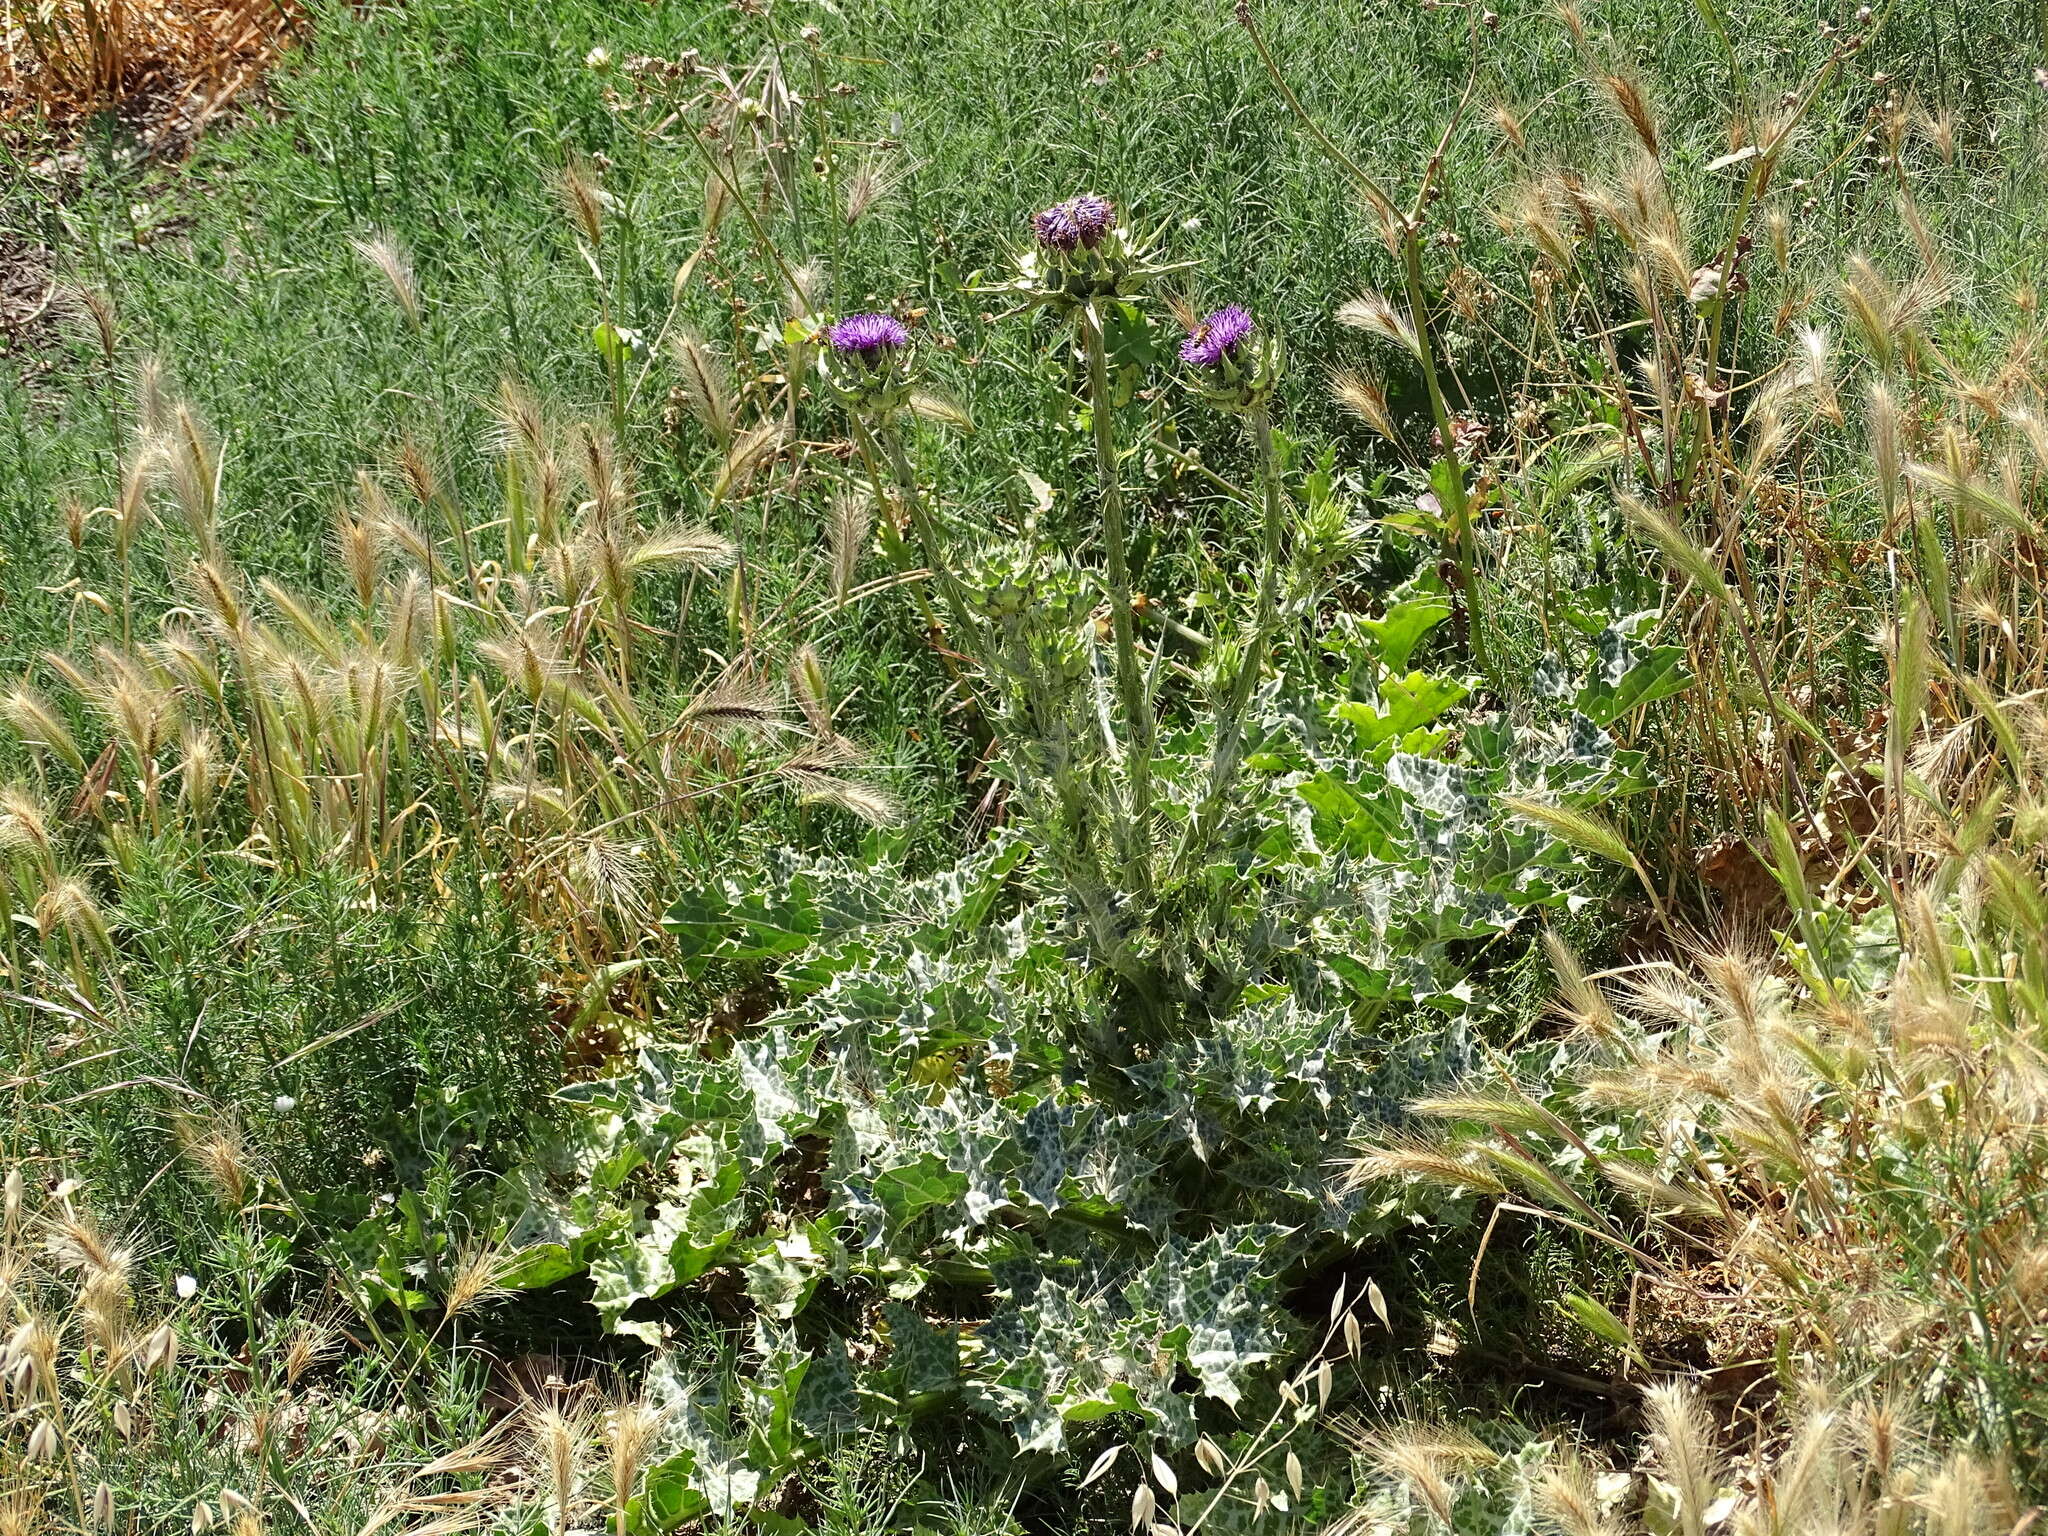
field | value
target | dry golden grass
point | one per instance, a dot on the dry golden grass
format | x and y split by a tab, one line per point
181	60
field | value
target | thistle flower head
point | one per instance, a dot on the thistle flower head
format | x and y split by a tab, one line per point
1235	365
1079	223
1217	337
866	360
1080	254
873	338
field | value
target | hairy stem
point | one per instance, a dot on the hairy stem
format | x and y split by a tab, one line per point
1130	680
1230	712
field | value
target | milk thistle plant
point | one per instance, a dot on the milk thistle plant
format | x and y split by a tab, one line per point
1081	261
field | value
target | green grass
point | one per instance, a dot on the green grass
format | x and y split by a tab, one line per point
446	126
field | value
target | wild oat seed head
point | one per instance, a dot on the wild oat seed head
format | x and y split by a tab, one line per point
584	200
1374	313
36	723
633	1427
703	382
42	1443
870	183
1365	397
388	259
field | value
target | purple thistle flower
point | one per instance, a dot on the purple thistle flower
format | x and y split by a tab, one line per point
873	337
1093	217
1217	337
1055	228
1078	222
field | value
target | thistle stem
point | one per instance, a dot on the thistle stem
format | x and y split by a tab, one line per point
925	532
922	528
1137	704
1230	712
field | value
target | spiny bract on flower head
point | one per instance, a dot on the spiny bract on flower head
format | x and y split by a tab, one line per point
873	337
1217	337
1078	223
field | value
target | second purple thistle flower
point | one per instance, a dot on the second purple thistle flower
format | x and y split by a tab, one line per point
1217	337
871	337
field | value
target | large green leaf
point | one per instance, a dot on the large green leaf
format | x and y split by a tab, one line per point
1628	672
908	1191
687	1234
783	1273
727	921
1214	1300
1405	704
1403	627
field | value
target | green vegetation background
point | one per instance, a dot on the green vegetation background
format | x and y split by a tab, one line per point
445	124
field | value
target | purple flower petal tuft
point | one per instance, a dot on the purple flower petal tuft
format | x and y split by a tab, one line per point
1093	217
871	336
1076	223
1217	337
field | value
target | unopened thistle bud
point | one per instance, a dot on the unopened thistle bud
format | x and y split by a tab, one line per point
1078	254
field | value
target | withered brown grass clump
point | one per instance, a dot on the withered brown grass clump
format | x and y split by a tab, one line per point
173	64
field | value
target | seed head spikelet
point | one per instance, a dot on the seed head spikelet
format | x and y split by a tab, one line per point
1364	396
388	259
1684	1451
705	391
37	723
